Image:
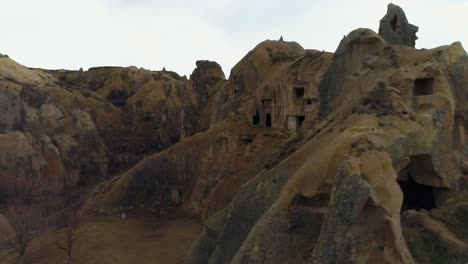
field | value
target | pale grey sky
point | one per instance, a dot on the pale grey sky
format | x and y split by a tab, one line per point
70	34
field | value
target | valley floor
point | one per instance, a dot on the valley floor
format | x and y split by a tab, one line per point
139	238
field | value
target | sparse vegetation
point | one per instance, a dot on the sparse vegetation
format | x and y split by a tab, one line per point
68	221
24	212
26	223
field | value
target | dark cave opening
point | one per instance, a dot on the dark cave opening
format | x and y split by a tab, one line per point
268	120
117	98
147	116
417	196
394	22
424	86
299	92
247	140
256	118
300	119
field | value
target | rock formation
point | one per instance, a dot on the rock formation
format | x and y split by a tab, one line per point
301	156
42	141
395	28
205	78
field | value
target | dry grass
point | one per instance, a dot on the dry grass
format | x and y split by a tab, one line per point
110	239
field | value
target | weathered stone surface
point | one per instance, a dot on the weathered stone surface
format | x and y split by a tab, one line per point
205	79
383	115
395	28
357	47
12	111
301	156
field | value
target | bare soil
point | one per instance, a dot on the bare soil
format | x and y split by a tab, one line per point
139	238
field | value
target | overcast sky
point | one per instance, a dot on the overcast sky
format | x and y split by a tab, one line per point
69	34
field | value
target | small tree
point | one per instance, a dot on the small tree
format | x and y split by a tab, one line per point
25	224
69	221
23	210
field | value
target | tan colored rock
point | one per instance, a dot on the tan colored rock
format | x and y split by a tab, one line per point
12	112
301	156
391	122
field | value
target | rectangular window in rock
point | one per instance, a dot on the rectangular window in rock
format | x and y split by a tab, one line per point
268	120
299	92
148	116
424	86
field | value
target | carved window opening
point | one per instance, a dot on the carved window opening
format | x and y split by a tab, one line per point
300	120
268	120
424	86
299	92
148	116
256	118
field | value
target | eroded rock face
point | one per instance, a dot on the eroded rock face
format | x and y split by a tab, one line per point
232	132
387	125
12	112
355	56
205	79
301	156
151	110
45	145
395	28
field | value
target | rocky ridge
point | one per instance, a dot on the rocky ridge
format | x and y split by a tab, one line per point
300	156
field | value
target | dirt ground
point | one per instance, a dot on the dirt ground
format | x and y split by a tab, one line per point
139	238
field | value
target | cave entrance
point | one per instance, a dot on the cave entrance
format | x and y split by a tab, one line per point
414	178
268	120
424	86
299	92
147	116
117	98
417	196
295	122
300	119
256	118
